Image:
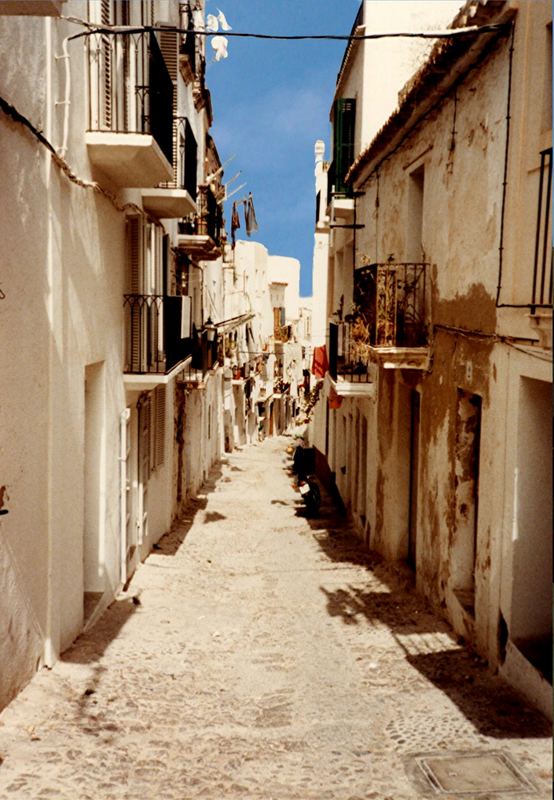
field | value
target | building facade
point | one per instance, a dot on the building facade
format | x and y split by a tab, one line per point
109	216
440	336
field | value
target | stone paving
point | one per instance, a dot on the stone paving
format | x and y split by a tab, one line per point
263	656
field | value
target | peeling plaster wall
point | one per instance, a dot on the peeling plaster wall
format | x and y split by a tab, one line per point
461	148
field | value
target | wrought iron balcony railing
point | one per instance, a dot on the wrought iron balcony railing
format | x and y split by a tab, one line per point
390	299
204	357
154	328
542	268
129	87
185	158
348	353
208	221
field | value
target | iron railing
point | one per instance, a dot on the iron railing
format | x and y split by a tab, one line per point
204	357
129	87
153	330
542	268
390	300
209	219
185	158
348	354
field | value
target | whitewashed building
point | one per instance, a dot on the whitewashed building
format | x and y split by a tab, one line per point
107	216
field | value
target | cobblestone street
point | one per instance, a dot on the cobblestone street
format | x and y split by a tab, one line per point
261	655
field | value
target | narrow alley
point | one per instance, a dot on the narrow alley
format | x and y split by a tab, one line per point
261	655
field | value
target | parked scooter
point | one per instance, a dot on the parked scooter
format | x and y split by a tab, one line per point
307	484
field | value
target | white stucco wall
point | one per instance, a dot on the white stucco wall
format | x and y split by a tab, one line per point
281	269
63	274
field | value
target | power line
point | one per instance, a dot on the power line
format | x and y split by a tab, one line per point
126	30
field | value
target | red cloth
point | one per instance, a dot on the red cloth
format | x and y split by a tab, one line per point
334	400
320	362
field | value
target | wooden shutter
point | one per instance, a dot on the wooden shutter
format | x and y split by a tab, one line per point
191	161
159	425
136	328
343	139
105	111
169	45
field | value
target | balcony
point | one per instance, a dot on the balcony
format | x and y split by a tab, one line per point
155	347
204	358
340	201
349	363
200	234
390	302
130	133
177	198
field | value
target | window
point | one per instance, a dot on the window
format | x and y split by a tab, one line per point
344	125
414	239
191	161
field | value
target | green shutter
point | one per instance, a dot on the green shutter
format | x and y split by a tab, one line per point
343	140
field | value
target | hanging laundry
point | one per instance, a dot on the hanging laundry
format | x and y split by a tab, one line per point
250	220
212	23
223	21
219	44
235	223
335	401
320	362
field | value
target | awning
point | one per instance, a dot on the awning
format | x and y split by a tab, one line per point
235	322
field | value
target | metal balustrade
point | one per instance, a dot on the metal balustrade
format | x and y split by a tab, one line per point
542	267
153	331
390	299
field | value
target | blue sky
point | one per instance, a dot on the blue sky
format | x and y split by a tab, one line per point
271	102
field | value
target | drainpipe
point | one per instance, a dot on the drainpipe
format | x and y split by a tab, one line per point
52	629
505	178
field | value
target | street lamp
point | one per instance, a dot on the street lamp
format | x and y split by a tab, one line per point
210	329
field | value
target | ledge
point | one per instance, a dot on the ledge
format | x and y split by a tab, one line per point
346	388
200	245
541	322
144	382
401	357
342	208
132	160
168	203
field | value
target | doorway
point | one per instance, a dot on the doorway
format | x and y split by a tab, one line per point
94	489
415	413
467	452
531	617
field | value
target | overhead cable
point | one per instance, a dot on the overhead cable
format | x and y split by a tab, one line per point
130	30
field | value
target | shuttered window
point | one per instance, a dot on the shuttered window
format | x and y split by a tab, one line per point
191	161
343	140
158	427
169	45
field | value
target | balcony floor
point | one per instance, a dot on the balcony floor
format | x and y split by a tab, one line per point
132	160
202	246
168	203
401	357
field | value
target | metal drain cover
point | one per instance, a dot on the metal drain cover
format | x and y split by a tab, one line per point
471	774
